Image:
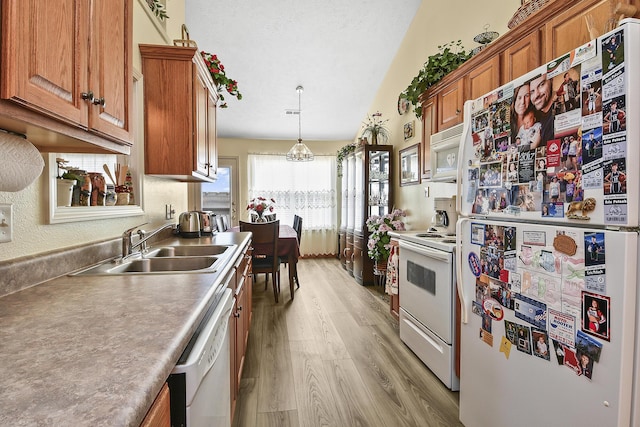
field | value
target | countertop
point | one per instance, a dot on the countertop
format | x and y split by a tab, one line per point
96	350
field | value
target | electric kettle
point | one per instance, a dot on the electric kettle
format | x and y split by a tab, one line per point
189	224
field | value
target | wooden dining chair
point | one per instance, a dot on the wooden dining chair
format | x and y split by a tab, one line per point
297	226
265	251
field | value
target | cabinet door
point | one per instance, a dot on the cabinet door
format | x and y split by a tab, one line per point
520	57
44	56
358	258
240	333
200	126
212	137
483	78
429	127
450	100
111	68
568	30
159	414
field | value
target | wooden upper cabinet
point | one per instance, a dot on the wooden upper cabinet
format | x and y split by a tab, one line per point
429	122
179	122
520	57
450	103
568	30
111	69
483	78
45	56
46	48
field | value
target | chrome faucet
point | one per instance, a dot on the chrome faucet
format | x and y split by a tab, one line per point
127	239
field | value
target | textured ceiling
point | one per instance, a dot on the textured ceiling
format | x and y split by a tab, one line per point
338	50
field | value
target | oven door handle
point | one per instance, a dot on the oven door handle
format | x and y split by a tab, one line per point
423	250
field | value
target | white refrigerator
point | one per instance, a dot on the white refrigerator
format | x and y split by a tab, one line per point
547	251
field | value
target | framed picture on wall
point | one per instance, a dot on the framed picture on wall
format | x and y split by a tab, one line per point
408	130
410	165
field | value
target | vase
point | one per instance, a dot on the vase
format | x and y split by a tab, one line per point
65	191
260	217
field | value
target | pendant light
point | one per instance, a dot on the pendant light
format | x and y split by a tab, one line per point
299	152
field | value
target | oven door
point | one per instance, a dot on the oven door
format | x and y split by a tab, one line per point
426	287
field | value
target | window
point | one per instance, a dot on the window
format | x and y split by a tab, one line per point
307	189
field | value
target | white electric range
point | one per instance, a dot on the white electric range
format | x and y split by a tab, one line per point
428	305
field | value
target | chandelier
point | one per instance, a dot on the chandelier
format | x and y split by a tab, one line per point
299	152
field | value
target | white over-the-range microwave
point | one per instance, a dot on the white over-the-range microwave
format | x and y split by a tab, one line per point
444	154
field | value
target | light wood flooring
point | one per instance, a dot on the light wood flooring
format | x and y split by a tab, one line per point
333	357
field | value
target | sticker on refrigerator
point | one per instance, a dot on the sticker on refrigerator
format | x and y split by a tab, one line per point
594	249
615	178
614	120
571	360
595	315
613	84
477	234
592	175
553	210
475	264
505	347
540	343
523	343
538	238
530	310
595	281
562	327
615	211
591	146
612	51
559	351
588	345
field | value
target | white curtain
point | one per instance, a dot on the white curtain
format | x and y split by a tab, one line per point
307	189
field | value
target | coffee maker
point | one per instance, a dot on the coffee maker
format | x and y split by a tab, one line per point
445	216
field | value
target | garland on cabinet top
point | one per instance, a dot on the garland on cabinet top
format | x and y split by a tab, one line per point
342	153
158	9
220	78
450	57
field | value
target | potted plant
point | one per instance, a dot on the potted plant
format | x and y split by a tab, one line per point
220	78
450	56
375	128
379	244
342	153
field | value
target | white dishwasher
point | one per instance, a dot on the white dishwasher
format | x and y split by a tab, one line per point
199	385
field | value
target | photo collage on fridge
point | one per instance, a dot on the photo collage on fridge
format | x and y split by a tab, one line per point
541	144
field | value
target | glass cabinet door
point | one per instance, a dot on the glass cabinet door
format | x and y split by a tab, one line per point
379	176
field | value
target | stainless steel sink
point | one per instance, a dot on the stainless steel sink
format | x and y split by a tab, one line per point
164	260
184	251
163	265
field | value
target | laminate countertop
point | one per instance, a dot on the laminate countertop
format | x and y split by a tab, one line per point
96	350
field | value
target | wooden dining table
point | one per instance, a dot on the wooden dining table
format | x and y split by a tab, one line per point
288	247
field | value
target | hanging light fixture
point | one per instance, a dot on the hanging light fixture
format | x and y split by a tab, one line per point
299	152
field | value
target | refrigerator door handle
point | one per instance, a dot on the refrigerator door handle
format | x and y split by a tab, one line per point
463	303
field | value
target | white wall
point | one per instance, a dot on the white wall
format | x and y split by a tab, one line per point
32	234
435	23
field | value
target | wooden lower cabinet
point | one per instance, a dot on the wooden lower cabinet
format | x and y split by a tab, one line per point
240	322
159	414
342	246
349	253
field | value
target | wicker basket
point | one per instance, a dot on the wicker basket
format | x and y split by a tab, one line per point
526	10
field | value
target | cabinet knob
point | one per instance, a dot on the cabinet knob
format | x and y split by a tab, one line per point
458	111
87	96
236	314
99	101
239	308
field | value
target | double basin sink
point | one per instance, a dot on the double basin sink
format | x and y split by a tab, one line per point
165	260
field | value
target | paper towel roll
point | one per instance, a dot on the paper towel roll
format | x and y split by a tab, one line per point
20	162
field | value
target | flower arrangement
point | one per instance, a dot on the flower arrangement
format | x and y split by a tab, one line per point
379	241
220	78
375	128
260	205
